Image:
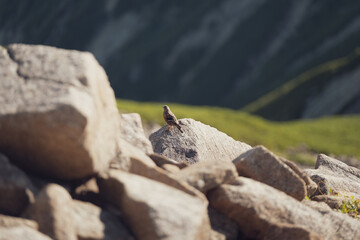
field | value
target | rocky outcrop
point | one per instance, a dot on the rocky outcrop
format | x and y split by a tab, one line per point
258	208
199	143
58	113
334	176
16	189
262	165
131	130
21	233
163	211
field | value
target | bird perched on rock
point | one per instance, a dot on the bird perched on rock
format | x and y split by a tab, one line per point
170	118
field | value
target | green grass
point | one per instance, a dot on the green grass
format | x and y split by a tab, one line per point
339	135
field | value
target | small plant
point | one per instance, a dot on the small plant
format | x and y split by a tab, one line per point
351	207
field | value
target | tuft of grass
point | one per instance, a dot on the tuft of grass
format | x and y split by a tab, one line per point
338	135
351	207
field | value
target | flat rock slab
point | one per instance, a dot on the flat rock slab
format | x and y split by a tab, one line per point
259	209
16	189
154	210
262	165
199	142
58	113
334	176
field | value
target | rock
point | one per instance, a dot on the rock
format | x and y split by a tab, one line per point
333	201
57	106
88	191
94	223
161	160
332	175
257	207
133	160
154	210
22	232
9	222
318	206
208	175
16	189
290	231
170	168
132	131
52	210
222	226
200	142
262	165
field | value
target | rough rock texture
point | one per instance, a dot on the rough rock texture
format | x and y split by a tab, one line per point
16	189
154	210
224	227
52	210
333	174
208	175
333	201
133	160
257	207
161	160
132	131
262	165
290	231
58	113
8	221
318	206
200	142
94	223
23	232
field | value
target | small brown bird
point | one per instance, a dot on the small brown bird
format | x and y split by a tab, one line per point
170	118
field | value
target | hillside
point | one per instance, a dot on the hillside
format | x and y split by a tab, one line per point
224	53
297	140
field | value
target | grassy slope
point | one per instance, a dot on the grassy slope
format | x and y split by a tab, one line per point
336	135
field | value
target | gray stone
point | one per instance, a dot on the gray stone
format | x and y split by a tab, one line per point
262	165
154	210
334	176
16	189
200	142
57	106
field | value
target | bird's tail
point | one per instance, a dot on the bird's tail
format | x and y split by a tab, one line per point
180	129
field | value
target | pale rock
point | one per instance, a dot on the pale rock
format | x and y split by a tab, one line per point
161	160
58	113
132	131
208	175
21	232
257	208
262	165
9	221
198	143
154	210
53	210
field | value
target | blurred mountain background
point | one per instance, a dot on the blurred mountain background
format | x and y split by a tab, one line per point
282	60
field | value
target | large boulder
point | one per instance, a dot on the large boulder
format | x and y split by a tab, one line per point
260	209
199	142
334	176
208	175
52	210
16	189
262	165
132	131
154	210
58	113
9	222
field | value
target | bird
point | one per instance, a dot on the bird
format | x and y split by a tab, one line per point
171	119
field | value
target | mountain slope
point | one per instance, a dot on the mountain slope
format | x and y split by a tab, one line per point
226	53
